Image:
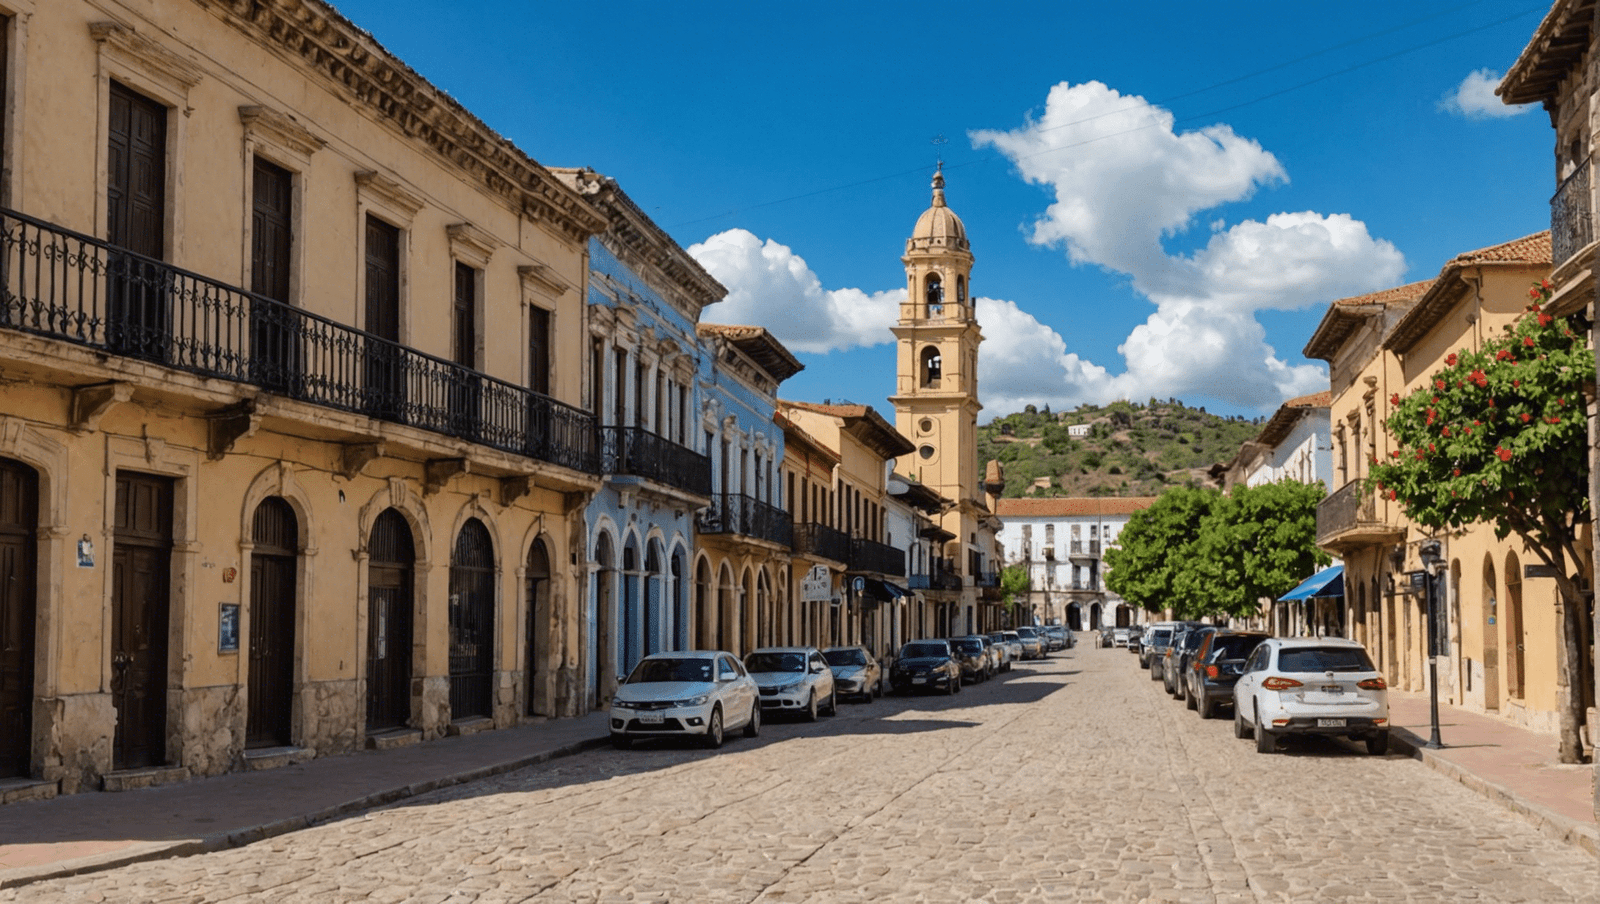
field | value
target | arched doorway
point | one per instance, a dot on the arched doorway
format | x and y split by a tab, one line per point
603	643
1124	617
633	608
1516	673
705	607
1094	617
727	615
657	616
273	560
1074	617
472	622
537	591
1491	637
389	621
680	605
141	566
19	525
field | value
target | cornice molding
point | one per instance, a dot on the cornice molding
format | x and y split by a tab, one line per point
315	37
543	278
279	129
470	242
388	191
156	61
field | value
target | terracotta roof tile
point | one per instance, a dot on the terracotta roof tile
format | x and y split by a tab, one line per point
1070	506
1530	249
1323	399
1407	292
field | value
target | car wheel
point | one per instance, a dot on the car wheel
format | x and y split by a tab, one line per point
713	738
833	703
811	707
621	741
1188	698
1206	705
1378	744
752	728
1265	742
1239	731
1154	675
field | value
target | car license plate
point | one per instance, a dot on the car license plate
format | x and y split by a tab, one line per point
919	680
1333	688
1330	723
651	718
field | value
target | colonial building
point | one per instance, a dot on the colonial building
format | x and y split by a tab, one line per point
936	401
1501	627
1061	542
293	456
645	297
933	579
821	551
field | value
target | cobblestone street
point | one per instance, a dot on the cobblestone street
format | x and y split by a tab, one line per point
1072	779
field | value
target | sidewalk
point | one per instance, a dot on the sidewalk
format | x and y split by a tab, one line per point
98	830
1509	765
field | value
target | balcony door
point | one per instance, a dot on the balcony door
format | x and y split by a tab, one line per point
275	354
384	368
137	306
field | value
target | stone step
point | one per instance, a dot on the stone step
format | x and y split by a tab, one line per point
276	757
13	790
394	737
469	726
150	777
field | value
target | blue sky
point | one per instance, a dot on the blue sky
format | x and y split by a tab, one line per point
1162	197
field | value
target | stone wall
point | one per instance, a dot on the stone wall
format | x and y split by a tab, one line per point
209	733
431	696
331	714
73	745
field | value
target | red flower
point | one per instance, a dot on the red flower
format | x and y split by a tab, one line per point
1430	447
1533	293
1444	431
1505	454
1491	403
1456	472
1502	355
1526	417
1561	402
1392	494
1544	319
1439	385
1450	359
1395	454
1528	341
1544	283
1394	399
1477	423
1555	420
1516	383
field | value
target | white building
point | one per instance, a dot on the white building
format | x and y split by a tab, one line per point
1062	542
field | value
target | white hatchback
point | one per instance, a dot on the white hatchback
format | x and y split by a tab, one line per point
696	693
1311	685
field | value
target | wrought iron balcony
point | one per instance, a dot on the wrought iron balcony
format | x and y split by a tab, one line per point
78	289
735	513
939	580
1083	549
986	579
1349	517
1571	217
820	540
879	558
636	451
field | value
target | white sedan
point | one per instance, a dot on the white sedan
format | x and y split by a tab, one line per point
694	693
793	679
1311	685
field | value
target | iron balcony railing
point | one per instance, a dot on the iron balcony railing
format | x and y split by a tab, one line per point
1345	509
986	579
940	580
1081	548
640	453
812	539
78	289
1571	219
879	558
735	513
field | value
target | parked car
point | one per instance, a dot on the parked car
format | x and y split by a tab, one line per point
794	680
1012	643
969	654
1136	642
925	665
1157	638
1184	643
1107	637
1311	685
999	653
698	693
1120	635
856	672
1032	646
1215	668
1057	637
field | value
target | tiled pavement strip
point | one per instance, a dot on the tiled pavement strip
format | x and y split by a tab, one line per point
96	831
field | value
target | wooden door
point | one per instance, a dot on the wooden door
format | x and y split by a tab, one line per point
389	620
137	321
19	521
272	615
384	366
472	623
538	631
539	350
464	392
275	355
141	564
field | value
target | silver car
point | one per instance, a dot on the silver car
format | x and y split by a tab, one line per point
794	680
695	693
855	672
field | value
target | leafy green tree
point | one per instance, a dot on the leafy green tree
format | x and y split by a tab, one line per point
1499	436
1147	565
1014	582
1259	542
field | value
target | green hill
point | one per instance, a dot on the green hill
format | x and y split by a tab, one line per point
1130	449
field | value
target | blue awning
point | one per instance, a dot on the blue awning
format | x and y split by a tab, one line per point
1327	582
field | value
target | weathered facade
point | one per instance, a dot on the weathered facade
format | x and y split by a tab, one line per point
1061	542
272	488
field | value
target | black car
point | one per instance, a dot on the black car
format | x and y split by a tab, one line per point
968	653
1216	667
1184	643
925	665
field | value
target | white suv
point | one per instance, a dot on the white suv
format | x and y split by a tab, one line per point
1311	685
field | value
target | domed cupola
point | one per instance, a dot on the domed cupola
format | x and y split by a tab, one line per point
938	229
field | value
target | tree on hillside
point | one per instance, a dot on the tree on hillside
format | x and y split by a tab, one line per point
1147	564
1259	542
1499	436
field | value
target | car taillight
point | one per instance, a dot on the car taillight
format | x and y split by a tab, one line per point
1211	671
1373	684
1279	683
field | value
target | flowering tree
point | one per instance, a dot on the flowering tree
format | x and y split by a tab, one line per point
1500	436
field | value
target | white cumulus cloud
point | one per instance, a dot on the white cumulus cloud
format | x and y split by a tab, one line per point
1474	98
771	286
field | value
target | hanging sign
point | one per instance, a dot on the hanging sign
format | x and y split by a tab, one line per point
817	585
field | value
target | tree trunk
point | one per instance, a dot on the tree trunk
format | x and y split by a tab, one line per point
1569	690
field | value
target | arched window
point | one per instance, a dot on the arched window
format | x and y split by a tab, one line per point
935	296
931	367
961	289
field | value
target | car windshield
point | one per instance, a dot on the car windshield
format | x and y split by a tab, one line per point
654	670
923	650
1191	641
1234	647
967	646
1026	632
845	657
1160	636
997	638
775	662
1324	659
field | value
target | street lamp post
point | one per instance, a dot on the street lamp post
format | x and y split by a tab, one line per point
1432	561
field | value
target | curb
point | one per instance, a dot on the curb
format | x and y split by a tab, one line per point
240	837
1551	823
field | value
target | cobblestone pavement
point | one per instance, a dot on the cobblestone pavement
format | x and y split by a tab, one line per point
1071	779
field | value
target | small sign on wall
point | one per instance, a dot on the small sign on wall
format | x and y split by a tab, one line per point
228	628
85	552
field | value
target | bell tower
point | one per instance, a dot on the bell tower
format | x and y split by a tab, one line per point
936	383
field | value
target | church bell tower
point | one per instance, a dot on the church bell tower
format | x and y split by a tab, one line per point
936	384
